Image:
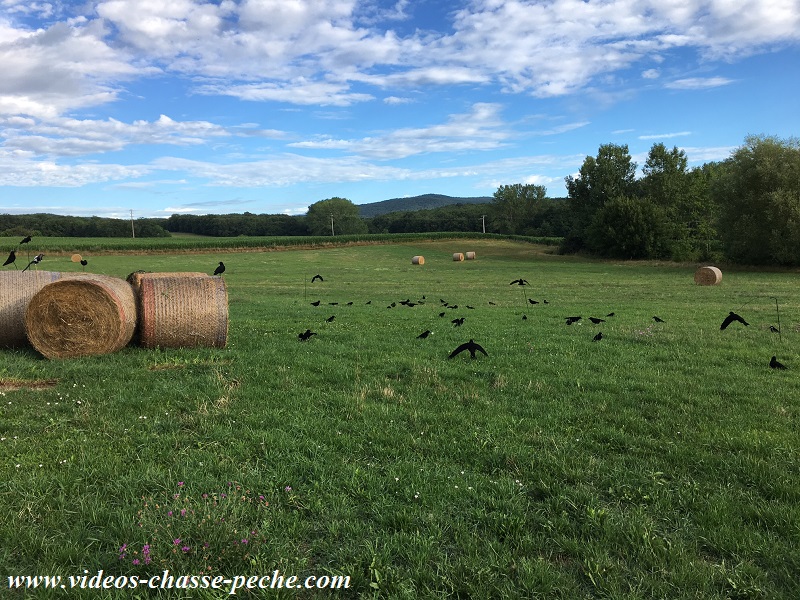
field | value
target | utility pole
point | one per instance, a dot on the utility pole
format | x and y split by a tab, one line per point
133	231
483	222
332	233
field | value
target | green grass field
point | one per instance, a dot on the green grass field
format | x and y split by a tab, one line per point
660	462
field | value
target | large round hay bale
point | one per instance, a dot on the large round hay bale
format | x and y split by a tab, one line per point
16	290
182	310
458	256
707	276
417	260
470	256
81	315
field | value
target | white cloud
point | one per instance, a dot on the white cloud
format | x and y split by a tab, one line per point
651	74
662	136
698	83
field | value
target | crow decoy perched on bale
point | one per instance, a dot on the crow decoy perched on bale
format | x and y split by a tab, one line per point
220	269
732	316
774	364
471	346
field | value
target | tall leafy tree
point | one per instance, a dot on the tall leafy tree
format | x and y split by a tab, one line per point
334	216
515	206
758	194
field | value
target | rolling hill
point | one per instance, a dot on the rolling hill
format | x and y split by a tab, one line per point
425	201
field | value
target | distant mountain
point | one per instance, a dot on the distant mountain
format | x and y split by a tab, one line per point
426	201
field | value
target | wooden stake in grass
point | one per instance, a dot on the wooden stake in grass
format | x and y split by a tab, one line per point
778	312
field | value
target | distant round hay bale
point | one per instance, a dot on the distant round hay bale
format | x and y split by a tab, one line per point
181	310
76	258
81	315
707	276
16	290
417	260
470	256
458	256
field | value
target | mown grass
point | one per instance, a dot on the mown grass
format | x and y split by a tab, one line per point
659	462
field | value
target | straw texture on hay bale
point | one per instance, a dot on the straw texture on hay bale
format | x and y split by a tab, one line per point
182	310
81	315
16	290
707	276
458	256
470	256
417	260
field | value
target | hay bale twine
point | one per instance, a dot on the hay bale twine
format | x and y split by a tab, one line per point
470	256
417	260
81	315
458	256
16	290
707	276
182	310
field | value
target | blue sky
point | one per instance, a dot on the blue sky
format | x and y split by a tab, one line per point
267	106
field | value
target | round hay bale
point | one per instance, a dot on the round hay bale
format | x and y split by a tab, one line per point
81	315
182	310
458	256
417	260
470	256
707	276
16	290
76	258
136	277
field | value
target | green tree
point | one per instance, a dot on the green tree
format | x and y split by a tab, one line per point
609	175
758	194
628	227
515	206
334	216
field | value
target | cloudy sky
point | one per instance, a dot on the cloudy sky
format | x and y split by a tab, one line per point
266	106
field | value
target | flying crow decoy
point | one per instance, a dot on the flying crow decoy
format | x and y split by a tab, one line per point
458	322
315	277
519	282
774	329
596	321
36	260
26	239
732	316
12	258
611	314
658	320
305	335
220	269
424	334
598	337
330	319
315	303
774	364
471	346
571	320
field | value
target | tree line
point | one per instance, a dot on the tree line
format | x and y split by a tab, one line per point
744	209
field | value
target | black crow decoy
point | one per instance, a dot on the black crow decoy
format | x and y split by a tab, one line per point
220	269
611	314
315	303
532	301
492	303
330	319
519	282
36	260
774	329
84	262
571	320
305	335
524	317
441	314
470	307
471	346
26	239
659	320
598	337
774	364
333	303
12	259
315	277
458	322
596	321
349	304
424	334
732	316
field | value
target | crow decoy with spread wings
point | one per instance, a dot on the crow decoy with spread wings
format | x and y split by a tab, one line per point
220	269
519	282
458	322
732	316
471	346
315	277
